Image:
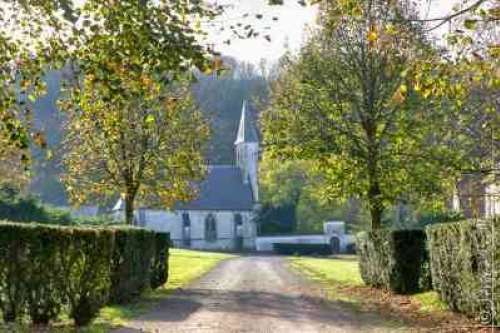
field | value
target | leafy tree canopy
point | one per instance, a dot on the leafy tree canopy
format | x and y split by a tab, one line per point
133	127
349	101
101	39
148	150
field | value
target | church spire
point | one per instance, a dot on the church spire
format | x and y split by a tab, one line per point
247	151
246	131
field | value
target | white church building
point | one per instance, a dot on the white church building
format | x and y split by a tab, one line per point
222	215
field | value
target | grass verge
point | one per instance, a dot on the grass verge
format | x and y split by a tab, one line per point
340	278
342	270
334	275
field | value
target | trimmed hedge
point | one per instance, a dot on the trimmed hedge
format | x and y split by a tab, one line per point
47	269
139	261
131	261
85	257
302	249
394	259
159	268
464	256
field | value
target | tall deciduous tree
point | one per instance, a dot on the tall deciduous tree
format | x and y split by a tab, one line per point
147	150
133	127
349	102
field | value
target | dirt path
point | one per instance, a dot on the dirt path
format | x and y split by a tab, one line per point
254	294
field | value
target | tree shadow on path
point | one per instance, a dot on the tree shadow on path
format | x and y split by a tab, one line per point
293	307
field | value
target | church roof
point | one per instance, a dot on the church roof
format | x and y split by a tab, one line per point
223	189
246	129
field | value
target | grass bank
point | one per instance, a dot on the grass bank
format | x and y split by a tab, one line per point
185	266
340	280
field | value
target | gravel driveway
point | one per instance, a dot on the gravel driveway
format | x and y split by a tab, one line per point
253	294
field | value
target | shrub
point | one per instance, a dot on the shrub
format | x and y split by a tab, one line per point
44	269
464	258
302	249
44	295
86	266
17	208
132	257
14	263
159	269
394	259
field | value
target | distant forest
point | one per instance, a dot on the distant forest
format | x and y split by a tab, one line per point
220	98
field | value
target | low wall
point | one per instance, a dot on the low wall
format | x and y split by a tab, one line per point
265	243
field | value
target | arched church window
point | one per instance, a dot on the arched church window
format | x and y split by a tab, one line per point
238	225
186	221
186	230
238	220
210	228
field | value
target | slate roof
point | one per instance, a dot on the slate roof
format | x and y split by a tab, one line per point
246	129
223	189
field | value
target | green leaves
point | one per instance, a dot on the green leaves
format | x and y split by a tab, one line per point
353	101
146	144
470	24
130	116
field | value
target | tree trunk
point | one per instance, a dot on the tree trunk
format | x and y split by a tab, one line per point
374	191
129	208
376	205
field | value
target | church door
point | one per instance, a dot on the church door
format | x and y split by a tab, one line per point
335	245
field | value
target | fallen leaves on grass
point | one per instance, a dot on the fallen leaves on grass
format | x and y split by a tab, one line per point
403	307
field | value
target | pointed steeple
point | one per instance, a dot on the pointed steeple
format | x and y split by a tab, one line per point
246	131
247	151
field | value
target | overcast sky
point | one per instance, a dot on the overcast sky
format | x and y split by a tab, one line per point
289	29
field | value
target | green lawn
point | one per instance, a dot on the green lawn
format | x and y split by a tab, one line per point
185	266
338	274
333	274
342	270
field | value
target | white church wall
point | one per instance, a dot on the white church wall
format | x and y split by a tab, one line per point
171	222
226	237
164	221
